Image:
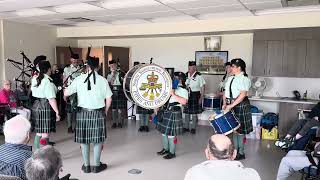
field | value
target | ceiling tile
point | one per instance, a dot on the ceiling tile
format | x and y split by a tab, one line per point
129	21
158	8
214	9
173	19
263	5
202	3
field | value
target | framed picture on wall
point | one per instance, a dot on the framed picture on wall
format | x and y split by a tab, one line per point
211	62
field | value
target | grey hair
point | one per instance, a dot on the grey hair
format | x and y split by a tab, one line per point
220	154
44	164
16	130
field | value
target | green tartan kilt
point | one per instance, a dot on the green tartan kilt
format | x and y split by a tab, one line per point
119	100
243	113
170	123
41	113
90	127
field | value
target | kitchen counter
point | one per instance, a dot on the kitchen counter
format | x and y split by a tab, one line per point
284	99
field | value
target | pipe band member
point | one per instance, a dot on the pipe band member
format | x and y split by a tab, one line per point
71	72
196	85
144	117
170	123
236	99
94	100
119	100
44	92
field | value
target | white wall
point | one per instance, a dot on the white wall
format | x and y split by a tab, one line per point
32	39
177	51
2	71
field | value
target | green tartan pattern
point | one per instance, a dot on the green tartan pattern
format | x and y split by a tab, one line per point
171	123
41	112
243	113
90	127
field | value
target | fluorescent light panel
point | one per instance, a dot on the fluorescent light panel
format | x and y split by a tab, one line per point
288	10
33	12
80	7
119	4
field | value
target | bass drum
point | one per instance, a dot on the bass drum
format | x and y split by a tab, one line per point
147	85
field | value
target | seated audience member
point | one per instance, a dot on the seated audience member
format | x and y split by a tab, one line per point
300	128
45	164
220	154
294	161
7	96
15	151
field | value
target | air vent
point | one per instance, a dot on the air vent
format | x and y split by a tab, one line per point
62	25
79	19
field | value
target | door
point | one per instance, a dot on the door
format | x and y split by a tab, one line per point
275	58
294	58
121	54
259	58
313	61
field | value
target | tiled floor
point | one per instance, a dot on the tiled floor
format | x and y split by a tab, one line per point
127	149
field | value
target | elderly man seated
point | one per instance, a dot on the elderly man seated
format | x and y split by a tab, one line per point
7	96
220	154
45	164
15	151
294	161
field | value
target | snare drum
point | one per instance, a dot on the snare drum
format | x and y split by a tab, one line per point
147	85
211	102
224	122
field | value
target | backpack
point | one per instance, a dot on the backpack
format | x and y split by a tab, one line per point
269	120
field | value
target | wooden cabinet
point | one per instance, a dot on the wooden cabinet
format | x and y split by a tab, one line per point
294	58
288	115
313	58
287	53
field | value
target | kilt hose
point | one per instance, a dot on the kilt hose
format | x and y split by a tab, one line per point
72	102
193	106
41	111
90	126
119	100
243	112
170	123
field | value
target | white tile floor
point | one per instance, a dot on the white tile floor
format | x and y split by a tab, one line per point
127	149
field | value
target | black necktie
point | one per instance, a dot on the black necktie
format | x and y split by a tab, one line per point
230	90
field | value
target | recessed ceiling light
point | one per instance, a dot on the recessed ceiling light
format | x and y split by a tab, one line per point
117	4
80	7
33	12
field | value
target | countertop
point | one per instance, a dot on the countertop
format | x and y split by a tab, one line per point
284	99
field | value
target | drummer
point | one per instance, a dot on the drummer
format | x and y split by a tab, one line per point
196	85
236	99
223	81
170	123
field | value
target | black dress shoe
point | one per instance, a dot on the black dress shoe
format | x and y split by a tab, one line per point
240	157
97	169
141	128
192	131
119	125
114	125
185	130
163	152
169	156
146	129
51	143
70	130
86	169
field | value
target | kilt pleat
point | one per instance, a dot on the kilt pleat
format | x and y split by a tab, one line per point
171	123
41	111
90	127
141	110
119	100
243	113
193	106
